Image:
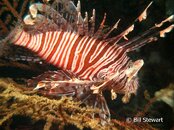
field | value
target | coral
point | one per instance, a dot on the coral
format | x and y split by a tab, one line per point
11	11
16	99
166	95
26	103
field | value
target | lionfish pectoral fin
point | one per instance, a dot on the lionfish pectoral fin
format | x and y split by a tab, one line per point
97	101
75	87
47	77
105	113
53	89
39	86
60	82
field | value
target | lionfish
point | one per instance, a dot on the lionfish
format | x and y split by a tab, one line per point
88	61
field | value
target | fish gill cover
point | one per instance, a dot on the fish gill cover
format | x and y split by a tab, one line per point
97	63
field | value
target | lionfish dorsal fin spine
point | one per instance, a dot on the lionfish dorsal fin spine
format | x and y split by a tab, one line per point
114	27
99	33
80	24
86	26
143	15
148	36
130	28
144	38
78	8
92	22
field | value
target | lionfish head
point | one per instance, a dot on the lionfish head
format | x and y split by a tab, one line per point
126	81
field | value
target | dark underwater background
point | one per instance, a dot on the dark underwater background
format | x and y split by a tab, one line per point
156	74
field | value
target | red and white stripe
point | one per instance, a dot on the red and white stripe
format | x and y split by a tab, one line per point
84	56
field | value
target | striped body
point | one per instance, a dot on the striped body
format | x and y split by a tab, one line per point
88	58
